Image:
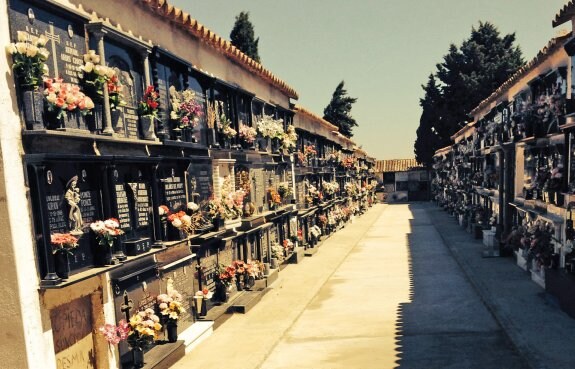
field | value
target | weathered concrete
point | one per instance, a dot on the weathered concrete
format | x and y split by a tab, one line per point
384	292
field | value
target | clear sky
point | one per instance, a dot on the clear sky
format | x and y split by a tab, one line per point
383	50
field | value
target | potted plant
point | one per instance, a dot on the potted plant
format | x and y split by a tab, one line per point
224	278
171	308
289	139
28	63
63	245
270	129
148	110
107	232
274	198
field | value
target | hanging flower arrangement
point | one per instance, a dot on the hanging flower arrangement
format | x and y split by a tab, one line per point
269	127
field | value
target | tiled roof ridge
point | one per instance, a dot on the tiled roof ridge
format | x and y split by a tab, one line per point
397	165
184	20
551	46
299	108
565	14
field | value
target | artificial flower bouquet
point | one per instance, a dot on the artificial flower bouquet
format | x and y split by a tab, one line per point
268	127
106	231
170	305
144	328
61	97
150	102
29	56
186	111
247	133
63	242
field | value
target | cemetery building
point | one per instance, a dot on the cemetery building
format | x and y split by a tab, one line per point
402	180
508	176
154	173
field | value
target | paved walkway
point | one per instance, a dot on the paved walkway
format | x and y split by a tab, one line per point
402	287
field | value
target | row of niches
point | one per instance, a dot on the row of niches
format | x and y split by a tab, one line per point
537	111
88	78
93	210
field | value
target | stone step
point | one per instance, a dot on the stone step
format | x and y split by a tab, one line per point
163	356
271	277
247	301
297	256
196	333
310	251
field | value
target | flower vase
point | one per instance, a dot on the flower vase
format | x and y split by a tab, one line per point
218	223
249	282
177	134
172	328
274	263
55	119
275	145
263	143
220	293
137	357
104	256
61	264
33	106
94	120
117	116
239	283
147	126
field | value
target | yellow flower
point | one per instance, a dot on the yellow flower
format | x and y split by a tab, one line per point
22	36
44	53
11	49
157	326
42	41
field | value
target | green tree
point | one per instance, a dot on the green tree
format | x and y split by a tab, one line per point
428	139
467	75
338	111
243	37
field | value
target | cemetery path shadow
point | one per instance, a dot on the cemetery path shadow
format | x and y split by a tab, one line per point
445	325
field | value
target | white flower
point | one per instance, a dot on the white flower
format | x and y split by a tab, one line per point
31	51
110	72
193	206
21	47
161	211
186	219
43	53
97	226
163	306
51	98
111	223
11	49
88	67
22	36
177	223
100	70
42	41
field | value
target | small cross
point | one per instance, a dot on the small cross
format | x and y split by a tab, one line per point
127	305
53	37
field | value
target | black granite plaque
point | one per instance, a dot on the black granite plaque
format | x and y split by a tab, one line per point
173	188
260	188
67	201
200	181
180	277
65	35
131	120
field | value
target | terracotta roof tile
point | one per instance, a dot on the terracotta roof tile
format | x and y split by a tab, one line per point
396	165
565	14
551	47
183	19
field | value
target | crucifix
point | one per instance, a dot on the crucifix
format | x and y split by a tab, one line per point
54	38
127	305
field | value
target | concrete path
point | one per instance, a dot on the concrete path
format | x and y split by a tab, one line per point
384	292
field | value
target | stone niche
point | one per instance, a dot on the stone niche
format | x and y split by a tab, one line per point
67	197
72	329
178	272
135	286
128	56
199	180
131	203
66	44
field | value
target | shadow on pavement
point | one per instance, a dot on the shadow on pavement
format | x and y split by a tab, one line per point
445	325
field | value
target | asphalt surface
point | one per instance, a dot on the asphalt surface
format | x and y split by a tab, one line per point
403	286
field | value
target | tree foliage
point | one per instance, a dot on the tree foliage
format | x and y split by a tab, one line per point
338	111
243	37
467	75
